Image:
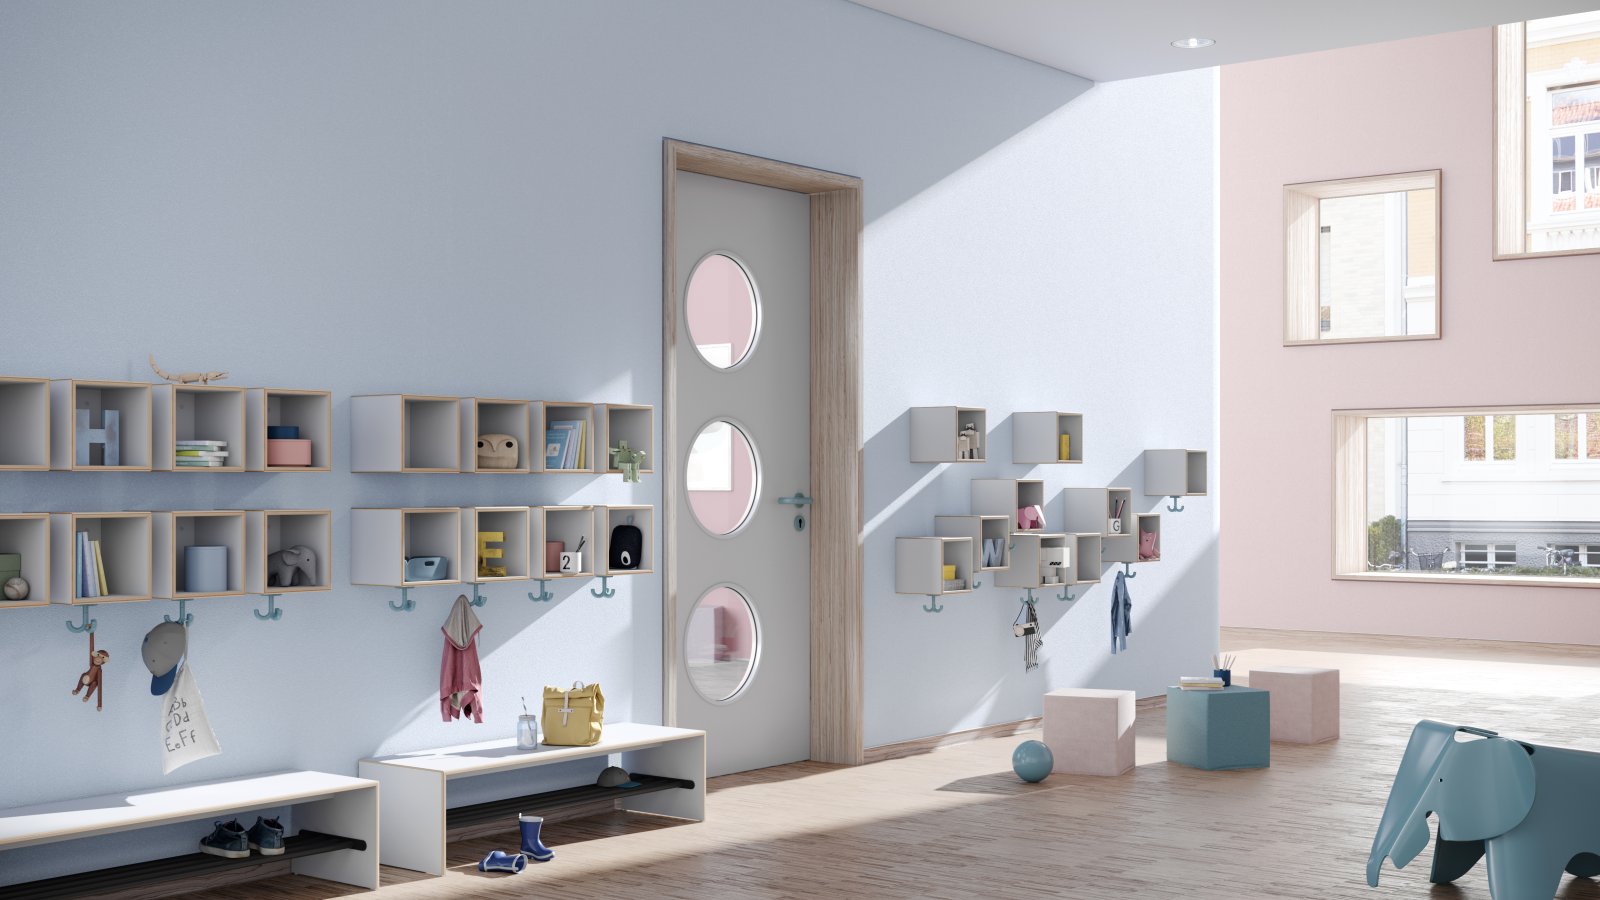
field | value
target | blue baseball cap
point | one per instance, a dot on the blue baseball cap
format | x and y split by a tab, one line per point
163	652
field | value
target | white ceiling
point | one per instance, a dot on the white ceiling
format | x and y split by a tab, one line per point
1105	41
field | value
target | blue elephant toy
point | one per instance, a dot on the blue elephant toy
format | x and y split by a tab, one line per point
1532	810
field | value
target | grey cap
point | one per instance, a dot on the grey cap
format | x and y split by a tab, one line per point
164	648
617	777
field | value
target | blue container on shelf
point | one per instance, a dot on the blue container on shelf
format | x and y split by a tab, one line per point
427	568
205	569
283	432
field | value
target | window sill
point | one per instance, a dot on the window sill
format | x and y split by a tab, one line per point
1474	580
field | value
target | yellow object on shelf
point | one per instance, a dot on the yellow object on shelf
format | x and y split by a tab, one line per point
1066	447
949	573
486	553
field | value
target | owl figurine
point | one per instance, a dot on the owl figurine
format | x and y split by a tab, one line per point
497	451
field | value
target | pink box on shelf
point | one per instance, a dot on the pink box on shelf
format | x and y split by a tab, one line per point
288	453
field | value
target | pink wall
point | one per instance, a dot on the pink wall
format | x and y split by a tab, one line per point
735	629
1514	332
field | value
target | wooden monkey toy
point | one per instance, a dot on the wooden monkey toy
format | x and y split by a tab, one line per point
92	678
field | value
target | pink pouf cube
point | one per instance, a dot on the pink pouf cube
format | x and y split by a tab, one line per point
1089	732
1305	702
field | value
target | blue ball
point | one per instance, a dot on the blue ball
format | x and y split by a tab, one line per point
1032	761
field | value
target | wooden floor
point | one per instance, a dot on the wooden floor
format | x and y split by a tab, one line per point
956	823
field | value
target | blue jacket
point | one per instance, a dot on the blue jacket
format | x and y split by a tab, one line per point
1121	613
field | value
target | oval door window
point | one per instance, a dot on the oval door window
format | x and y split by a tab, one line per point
721	311
720	648
722	477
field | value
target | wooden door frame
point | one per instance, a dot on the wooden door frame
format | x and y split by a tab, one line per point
836	434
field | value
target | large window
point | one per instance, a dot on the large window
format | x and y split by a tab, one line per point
1547	136
1465	495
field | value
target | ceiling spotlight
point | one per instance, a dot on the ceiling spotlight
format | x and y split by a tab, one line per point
1194	43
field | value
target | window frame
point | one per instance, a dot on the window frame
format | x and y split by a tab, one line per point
1514	210
1582	441
1491	551
1489	434
1348	531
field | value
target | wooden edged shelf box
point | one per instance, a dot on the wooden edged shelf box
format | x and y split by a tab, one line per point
1046	437
607	519
405	547
1090	557
310	412
942	434
632	423
198	553
495	544
575	417
198	412
1038	558
26	536
269	530
558	533
1175	473
1095	511
24	424
991	538
125	556
499	419
1149	523
408	433
921	564
120	442
1009	497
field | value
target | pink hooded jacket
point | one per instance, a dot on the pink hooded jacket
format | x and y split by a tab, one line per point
460	677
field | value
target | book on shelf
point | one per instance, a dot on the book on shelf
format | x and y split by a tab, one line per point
99	569
204	454
90	571
955	584
555	447
190	463
572	446
1066	447
1200	683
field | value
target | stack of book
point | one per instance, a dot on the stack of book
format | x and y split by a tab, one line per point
566	444
955	584
90	570
1200	683
202	454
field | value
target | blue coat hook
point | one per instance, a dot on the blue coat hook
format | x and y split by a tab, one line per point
933	604
88	625
1065	595
1176	506
406	604
604	590
272	613
478	599
1127	570
543	596
185	618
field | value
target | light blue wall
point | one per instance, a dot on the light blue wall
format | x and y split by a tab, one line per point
1068	268
465	199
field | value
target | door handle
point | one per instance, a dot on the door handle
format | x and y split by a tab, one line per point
798	499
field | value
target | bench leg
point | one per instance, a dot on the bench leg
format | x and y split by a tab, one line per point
352	814
674	759
410	815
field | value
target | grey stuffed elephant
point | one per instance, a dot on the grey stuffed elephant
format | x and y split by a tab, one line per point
286	567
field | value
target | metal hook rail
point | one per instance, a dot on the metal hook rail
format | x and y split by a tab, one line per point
543	596
89	625
185	618
272	613
406	604
605	589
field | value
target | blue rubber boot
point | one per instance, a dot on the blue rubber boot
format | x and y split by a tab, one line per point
532	847
501	861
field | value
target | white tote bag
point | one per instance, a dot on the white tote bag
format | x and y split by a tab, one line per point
186	733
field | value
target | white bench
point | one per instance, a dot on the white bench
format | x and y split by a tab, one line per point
333	828
669	763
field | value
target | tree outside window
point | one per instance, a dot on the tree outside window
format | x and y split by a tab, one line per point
1476	436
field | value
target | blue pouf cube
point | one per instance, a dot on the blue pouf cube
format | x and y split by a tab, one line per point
1226	729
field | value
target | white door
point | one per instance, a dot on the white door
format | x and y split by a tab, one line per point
743	408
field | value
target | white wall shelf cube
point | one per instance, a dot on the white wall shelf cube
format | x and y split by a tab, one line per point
1005	496
1091	557
197	412
511	523
936	434
1036	437
980	529
125	554
1175	473
919	565
1029	564
1091	510
409	433
553	412
381	540
482	415
573	528
1149	523
172	533
28	536
632	423
24	424
309	411
130	400
607	519
269	530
